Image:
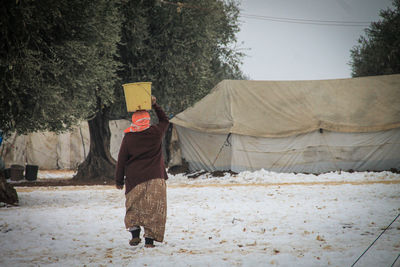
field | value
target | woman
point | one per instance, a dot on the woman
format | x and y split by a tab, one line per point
141	168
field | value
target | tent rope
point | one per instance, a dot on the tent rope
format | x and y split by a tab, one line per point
376	240
226	143
398	256
334	159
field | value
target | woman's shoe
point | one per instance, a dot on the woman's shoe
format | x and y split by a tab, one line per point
149	243
134	241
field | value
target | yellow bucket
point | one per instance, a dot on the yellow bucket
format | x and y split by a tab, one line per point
137	96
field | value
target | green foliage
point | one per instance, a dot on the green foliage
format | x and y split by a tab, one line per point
379	52
183	47
57	60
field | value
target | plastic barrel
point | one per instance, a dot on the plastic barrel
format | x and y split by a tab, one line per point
31	172
7	173
16	172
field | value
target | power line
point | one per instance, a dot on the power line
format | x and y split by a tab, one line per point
307	21
281	19
180	5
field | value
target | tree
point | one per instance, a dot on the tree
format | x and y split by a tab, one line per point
106	27
51	62
30	93
59	60
184	51
184	48
379	52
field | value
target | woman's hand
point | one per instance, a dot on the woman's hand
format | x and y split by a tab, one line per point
153	100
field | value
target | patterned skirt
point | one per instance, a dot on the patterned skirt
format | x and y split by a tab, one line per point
146	206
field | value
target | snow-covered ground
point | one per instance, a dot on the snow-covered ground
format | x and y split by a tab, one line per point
250	219
246	177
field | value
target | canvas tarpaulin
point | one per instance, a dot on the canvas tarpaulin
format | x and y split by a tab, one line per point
285	108
57	151
313	152
294	126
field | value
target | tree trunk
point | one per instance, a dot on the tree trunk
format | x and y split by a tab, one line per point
99	164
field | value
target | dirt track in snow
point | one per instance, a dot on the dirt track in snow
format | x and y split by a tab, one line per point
108	187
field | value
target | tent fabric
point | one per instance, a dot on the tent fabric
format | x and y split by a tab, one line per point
313	152
294	126
317	152
204	151
286	108
57	151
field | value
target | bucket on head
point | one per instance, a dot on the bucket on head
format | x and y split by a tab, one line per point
16	172
137	96
31	172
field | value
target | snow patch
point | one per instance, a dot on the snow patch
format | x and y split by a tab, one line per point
243	225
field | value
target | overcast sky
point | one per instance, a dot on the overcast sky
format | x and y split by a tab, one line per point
298	51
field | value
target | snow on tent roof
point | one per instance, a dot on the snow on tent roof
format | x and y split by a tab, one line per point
285	108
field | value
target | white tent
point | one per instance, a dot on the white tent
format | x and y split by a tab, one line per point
294	126
49	150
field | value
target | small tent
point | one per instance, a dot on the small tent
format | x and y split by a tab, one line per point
294	126
52	151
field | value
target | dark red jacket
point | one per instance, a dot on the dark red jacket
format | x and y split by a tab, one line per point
140	157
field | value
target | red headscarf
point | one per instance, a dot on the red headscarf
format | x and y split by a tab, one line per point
140	122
